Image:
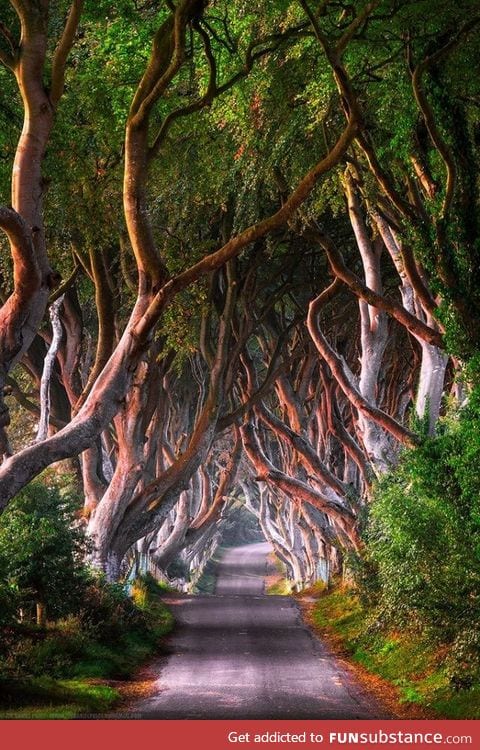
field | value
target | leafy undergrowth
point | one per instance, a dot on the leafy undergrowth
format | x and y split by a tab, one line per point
46	698
279	587
63	670
406	660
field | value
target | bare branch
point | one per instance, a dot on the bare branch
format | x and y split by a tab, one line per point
345	381
410	322
294	488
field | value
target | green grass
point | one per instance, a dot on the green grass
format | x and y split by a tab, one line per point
405	659
46	698
100	661
63	667
280	588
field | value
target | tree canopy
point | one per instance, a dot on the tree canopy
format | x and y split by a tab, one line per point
240	263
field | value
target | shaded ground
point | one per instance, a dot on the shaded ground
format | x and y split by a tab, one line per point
241	654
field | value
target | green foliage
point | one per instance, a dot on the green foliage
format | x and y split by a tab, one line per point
94	629
282	587
8	604
410	661
108	638
423	554
421	425
45	698
42	549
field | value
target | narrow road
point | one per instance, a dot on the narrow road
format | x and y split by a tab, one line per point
240	654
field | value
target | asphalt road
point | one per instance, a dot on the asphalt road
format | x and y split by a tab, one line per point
240	654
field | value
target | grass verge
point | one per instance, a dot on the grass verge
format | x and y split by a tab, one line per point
71	669
46	698
408	665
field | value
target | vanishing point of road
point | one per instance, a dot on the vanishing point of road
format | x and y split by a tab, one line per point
240	654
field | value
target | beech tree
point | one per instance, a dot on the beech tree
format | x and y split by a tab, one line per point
268	260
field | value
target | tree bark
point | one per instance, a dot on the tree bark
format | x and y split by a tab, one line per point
48	365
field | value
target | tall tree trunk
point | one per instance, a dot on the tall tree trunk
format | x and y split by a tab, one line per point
33	277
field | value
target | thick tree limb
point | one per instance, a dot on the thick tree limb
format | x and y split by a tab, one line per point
63	50
225	484
295	488
234	246
301	445
167	57
409	321
26	271
427	112
345	380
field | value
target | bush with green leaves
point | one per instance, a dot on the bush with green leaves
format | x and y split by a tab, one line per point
107	611
8	604
94	629
423	542
42	548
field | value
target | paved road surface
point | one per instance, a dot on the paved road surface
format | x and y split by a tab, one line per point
243	655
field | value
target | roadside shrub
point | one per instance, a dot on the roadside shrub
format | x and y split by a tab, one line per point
422	565
107	611
8	604
53	654
108	638
42	549
92	629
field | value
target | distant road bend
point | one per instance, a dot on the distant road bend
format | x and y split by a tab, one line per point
240	654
